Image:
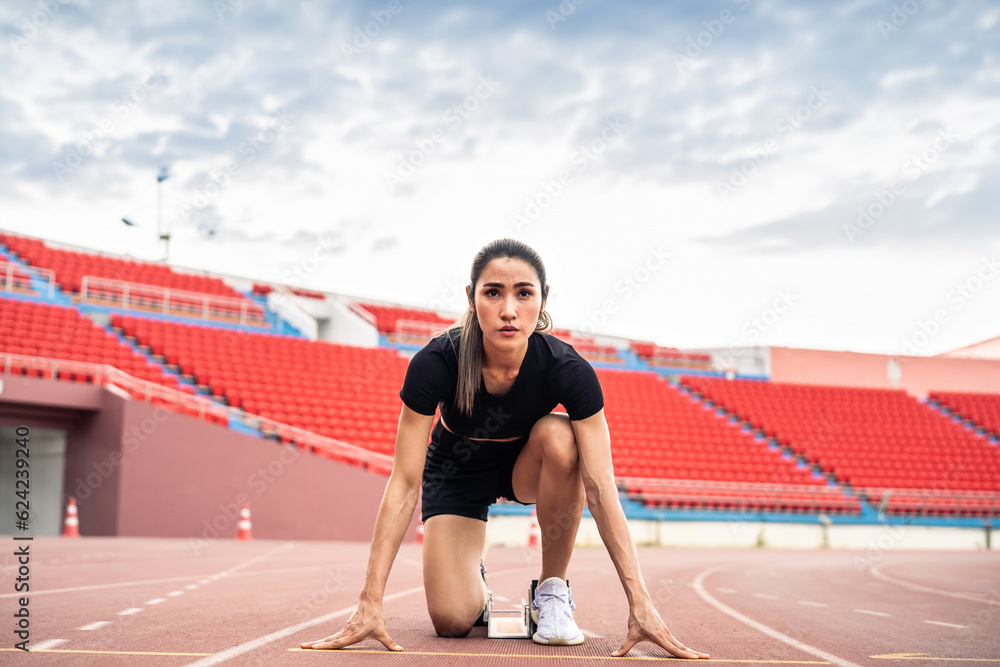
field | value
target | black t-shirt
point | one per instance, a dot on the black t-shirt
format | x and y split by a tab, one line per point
552	372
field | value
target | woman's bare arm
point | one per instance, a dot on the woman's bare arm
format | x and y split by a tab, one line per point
394	515
594	444
399	500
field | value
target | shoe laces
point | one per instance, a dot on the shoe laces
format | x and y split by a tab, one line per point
549	595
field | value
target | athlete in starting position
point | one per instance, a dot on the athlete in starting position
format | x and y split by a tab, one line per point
496	375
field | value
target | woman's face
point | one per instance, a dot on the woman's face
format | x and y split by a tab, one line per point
508	295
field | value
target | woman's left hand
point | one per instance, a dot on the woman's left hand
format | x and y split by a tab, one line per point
645	624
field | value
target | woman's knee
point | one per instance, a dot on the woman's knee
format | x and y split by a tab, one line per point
558	441
451	625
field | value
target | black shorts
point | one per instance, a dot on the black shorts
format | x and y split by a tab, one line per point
464	477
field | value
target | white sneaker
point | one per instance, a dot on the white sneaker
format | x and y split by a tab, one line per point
552	609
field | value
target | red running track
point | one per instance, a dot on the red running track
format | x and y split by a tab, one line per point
116	601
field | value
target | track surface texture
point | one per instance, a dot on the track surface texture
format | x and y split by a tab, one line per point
116	601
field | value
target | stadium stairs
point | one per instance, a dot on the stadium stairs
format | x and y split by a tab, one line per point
979	412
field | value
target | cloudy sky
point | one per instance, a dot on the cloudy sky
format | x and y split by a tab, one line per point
804	174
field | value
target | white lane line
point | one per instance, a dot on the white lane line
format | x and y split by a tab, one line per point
150	603
927	589
725	590
144	582
49	643
130	611
947	625
203	582
873	613
94	626
699	588
592	635
191	587
813	604
98	586
254	644
173	594
236	568
765	596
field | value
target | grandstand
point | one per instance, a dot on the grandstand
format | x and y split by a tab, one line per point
93	344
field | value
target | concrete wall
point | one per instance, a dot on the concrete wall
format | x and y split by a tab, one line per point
93	457
184	477
508	530
140	470
987	349
919	375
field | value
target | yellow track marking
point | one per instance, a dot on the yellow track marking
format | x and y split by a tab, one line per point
548	656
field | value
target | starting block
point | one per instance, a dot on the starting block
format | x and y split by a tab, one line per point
511	623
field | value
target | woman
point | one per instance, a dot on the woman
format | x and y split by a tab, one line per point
496	375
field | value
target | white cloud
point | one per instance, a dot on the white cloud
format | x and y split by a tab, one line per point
657	184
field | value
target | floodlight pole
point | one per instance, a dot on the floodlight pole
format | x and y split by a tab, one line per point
163	234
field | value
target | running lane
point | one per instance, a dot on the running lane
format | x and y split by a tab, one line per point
836	602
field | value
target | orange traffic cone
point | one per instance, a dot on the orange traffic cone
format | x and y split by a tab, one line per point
534	534
420	533
243	527
71	526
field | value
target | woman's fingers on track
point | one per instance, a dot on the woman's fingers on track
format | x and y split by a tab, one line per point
321	643
682	651
630	641
669	643
337	640
345	638
384	637
673	646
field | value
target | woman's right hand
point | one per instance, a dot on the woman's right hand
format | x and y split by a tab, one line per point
365	623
